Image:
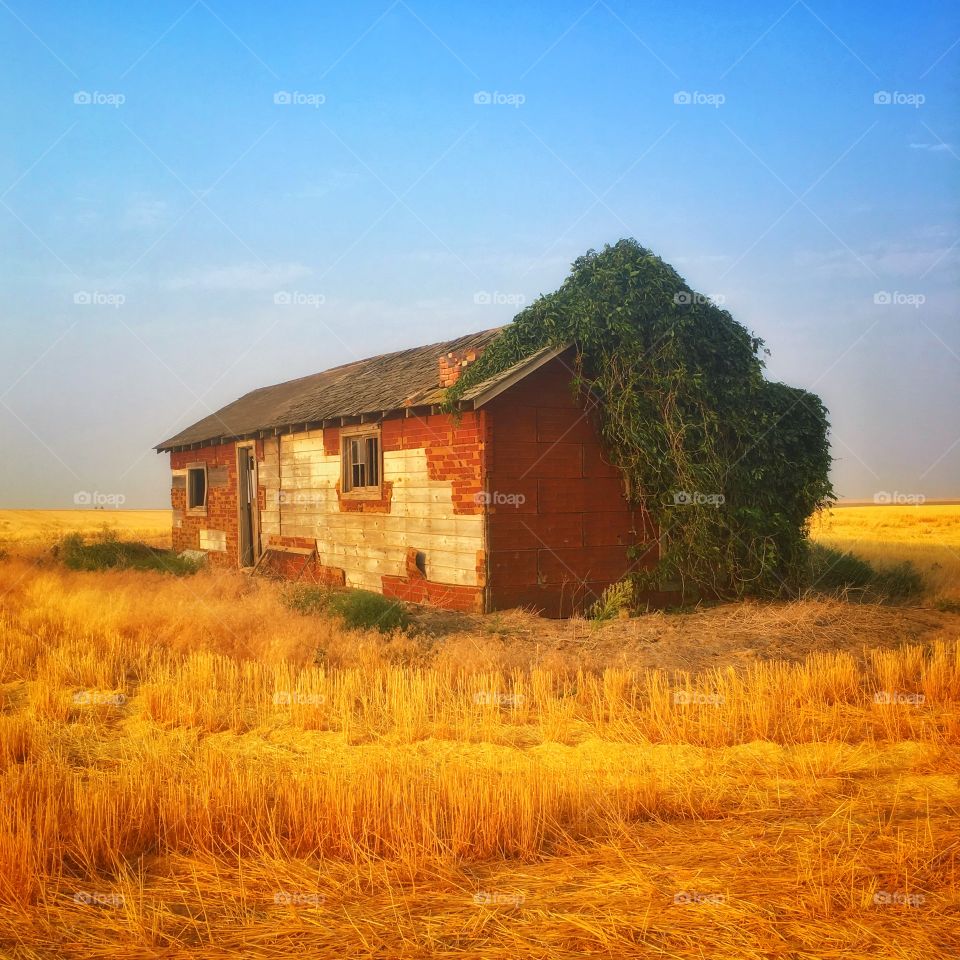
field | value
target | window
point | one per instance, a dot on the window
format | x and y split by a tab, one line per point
197	488
360	458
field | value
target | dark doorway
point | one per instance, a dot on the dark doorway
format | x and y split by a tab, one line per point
249	519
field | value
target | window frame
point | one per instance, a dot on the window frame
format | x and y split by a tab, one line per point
364	433
197	510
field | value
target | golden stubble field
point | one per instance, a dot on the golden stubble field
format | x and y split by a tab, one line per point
182	775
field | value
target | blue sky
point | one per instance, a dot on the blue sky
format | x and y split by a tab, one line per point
156	200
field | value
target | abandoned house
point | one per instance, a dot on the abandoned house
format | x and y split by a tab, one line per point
356	477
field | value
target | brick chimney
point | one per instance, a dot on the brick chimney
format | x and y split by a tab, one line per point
451	365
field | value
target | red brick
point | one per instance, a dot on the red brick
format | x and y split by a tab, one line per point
582	563
518	459
531	531
580	496
611	528
513	567
570	425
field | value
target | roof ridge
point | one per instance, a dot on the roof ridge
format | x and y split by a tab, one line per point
386	381
377	356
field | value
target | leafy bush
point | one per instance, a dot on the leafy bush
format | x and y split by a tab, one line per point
729	465
358	609
107	551
617	597
307	599
835	571
365	610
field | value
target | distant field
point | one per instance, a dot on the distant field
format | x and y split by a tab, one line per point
38	526
928	536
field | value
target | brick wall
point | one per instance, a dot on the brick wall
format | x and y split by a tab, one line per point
432	505
221	510
558	527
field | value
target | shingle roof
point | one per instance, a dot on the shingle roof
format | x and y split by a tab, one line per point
391	381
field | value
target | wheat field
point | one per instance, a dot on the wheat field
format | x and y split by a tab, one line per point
928	536
190	768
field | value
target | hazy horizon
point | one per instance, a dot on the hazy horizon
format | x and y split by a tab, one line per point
196	202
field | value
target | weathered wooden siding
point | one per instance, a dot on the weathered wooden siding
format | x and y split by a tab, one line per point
431	467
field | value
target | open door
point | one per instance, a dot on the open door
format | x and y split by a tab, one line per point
248	506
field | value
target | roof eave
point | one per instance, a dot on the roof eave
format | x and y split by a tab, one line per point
488	390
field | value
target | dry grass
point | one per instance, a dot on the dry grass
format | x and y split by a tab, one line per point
178	777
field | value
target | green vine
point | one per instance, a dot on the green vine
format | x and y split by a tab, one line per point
729	465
